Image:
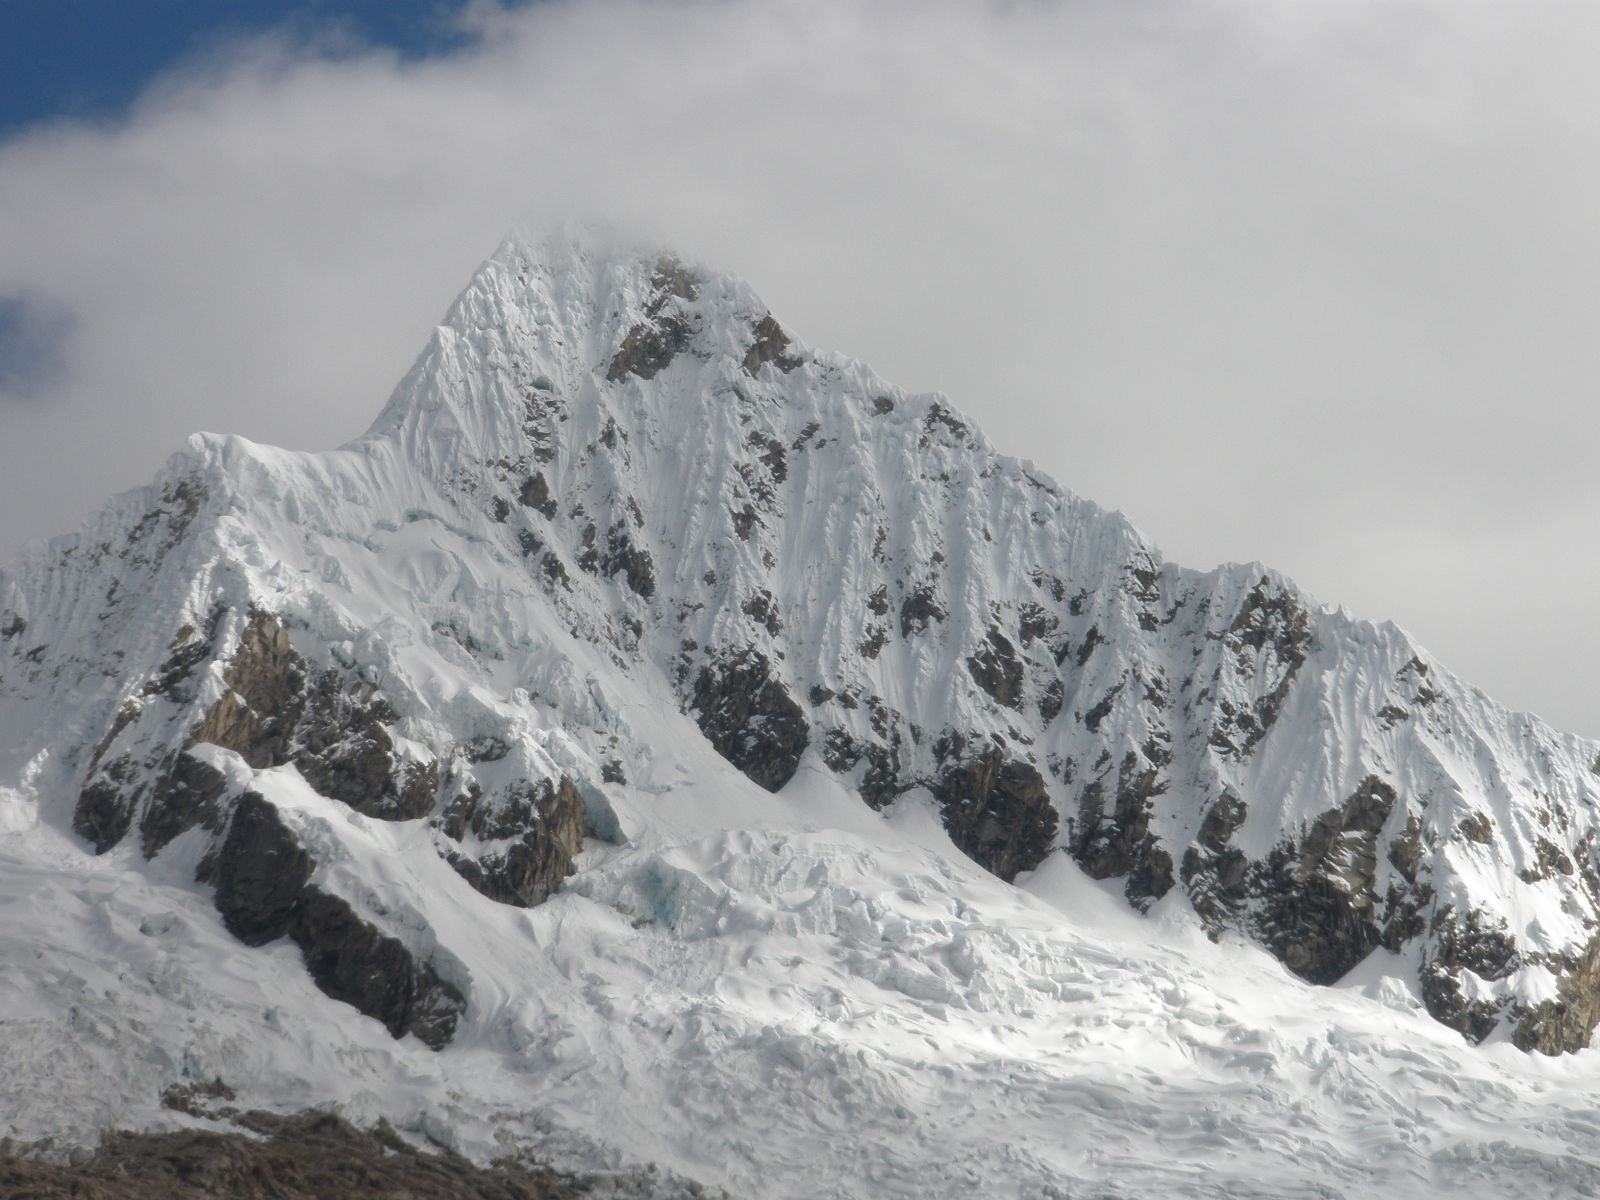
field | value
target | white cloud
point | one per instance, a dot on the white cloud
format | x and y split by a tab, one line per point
1310	282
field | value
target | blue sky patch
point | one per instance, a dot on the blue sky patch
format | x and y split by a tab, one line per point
89	59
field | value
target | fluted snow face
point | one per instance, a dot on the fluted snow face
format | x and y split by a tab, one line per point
815	563
621	547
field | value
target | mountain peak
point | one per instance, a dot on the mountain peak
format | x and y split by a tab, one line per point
566	320
627	585
637	637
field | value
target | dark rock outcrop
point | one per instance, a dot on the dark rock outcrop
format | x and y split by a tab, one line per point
1269	637
881	782
259	872
649	347
188	794
1565	1024
919	610
1319	912
375	974
1214	872
543	823
1116	841
996	669
1465	942
771	345
275	711
262	875
343	749
664	333
535	494
749	717
105	809
266	679
997	811
623	555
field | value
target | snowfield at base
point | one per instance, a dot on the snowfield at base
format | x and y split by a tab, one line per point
788	1009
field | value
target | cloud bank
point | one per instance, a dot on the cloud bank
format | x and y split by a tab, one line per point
1304	281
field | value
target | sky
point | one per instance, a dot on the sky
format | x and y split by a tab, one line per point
90	59
1310	282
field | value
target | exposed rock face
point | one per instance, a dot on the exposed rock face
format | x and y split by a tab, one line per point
1269	638
623	556
1216	873
188	794
997	811
263	891
353	962
104	812
273	713
1114	841
544	825
276	711
1319	909
1314	900
1467	942
266	680
1565	1024
996	670
771	345
880	781
535	494
344	751
919	610
260	873
749	716
663	333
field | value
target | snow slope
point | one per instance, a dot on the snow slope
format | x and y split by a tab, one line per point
657	740
792	1011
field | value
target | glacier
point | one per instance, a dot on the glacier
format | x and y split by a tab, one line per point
658	740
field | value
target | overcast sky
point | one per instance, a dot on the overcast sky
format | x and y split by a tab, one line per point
1310	283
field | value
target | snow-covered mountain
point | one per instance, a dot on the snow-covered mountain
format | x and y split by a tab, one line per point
631	599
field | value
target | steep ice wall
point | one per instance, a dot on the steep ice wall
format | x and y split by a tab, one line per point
617	513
